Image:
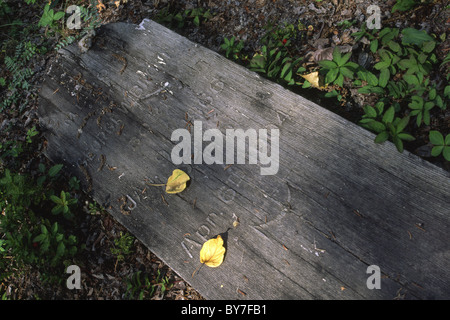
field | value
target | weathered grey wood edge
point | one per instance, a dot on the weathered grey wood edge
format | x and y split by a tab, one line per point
329	169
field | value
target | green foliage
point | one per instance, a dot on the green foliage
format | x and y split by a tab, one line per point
441	145
63	203
49	17
232	48
122	246
53	243
421	109
402	76
20	73
386	125
31	238
276	59
338	68
31	133
139	286
404	5
179	19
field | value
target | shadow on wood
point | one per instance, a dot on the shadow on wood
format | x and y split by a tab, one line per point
338	203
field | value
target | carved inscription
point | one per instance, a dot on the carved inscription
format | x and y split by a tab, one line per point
202	234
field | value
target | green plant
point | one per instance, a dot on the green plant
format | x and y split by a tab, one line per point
122	247
31	239
31	133
404	5
63	203
49	17
421	109
441	145
51	175
52	242
277	58
231	48
16	65
196	15
388	126
139	286
338	68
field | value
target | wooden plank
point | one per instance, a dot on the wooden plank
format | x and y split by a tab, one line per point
338	203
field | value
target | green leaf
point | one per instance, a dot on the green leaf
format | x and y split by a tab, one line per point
371	89
414	36
419	119
403	5
376	126
44	229
435	151
402	124
428	105
428	46
374	46
388	116
54	170
382	137
61	248
439	102
336	55
344	59
331	75
447	91
371	79
55	199
394	46
382	65
436	138
197	21
58	209
58	15
384	78
398	143
447	140
406	136
285	69
411	79
339	80
446	153
370	111
346	72
39	238
327	64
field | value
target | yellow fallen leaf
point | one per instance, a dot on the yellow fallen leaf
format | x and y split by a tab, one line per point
212	252
177	181
313	78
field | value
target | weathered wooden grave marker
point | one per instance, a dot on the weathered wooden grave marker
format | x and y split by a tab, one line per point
338	203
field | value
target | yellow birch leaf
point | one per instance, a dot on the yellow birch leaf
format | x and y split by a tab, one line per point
177	181
212	252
